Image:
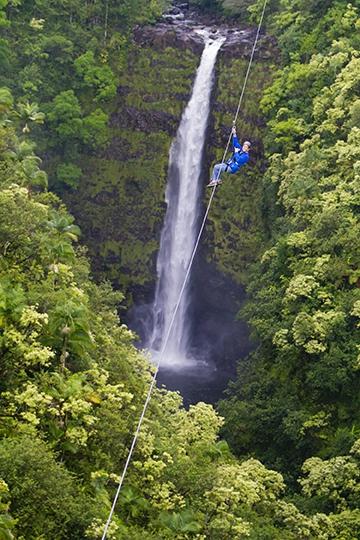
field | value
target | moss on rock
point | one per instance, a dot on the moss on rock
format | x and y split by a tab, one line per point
119	202
236	223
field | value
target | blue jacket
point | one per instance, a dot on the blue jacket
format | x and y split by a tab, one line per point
238	159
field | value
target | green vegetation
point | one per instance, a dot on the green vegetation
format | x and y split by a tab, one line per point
69	60
71	388
100	156
238	227
206	5
119	200
72	383
298	394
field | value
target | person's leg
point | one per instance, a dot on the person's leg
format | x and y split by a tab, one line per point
218	169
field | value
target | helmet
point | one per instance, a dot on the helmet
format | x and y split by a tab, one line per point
247	142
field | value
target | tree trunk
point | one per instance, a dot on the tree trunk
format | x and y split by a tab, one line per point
106	21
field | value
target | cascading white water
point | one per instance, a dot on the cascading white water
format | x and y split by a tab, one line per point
180	226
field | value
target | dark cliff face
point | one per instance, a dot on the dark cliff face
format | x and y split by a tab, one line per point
182	33
220	266
120	201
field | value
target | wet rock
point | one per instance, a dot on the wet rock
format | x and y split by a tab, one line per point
175	11
168	35
122	90
184	5
174	30
146	121
168	17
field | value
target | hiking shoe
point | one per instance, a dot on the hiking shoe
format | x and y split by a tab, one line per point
214	183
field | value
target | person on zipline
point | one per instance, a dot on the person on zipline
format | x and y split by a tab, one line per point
239	158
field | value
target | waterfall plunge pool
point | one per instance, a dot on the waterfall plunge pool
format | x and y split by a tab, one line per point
205	340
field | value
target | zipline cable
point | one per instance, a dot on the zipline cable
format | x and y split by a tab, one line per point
167	336
245	82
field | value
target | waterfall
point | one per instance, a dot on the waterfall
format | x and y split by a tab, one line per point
180	228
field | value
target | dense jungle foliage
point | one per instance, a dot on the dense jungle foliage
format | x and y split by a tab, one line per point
72	383
69	57
298	394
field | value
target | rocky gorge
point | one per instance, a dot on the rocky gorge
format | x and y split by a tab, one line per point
119	204
111	118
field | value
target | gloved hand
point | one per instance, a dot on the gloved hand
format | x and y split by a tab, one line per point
233	131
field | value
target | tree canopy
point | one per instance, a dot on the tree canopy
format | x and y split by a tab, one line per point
280	456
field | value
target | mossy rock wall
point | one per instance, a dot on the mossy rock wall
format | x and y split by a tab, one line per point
120	200
119	203
237	221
